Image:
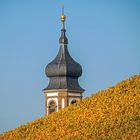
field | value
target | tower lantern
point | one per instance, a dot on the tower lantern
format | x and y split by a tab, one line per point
63	72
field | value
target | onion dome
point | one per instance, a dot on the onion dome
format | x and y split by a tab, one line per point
63	64
63	71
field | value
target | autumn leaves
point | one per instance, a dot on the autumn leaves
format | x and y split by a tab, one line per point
110	114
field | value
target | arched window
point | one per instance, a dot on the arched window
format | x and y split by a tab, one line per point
52	106
73	101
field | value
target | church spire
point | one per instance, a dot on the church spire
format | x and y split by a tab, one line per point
63	39
63	73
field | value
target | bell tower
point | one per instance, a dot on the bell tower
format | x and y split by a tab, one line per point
63	72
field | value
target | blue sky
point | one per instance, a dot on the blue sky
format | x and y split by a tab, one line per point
104	37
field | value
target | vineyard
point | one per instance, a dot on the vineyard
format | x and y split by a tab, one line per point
110	114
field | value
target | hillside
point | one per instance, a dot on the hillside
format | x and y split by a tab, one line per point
110	114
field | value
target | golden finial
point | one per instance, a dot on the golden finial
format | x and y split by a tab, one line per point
63	17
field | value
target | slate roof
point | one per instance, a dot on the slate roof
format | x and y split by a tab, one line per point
63	71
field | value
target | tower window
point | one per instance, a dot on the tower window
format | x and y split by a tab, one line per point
73	101
52	106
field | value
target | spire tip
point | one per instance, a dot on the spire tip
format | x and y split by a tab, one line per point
62	9
63	17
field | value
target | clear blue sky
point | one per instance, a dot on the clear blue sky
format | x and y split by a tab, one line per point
104	37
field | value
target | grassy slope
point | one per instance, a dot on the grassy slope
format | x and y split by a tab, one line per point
110	114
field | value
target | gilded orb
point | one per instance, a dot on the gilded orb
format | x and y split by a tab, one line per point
63	17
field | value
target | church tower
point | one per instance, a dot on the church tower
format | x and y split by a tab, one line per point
63	72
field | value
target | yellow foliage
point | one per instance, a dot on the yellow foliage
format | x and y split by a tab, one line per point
111	114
